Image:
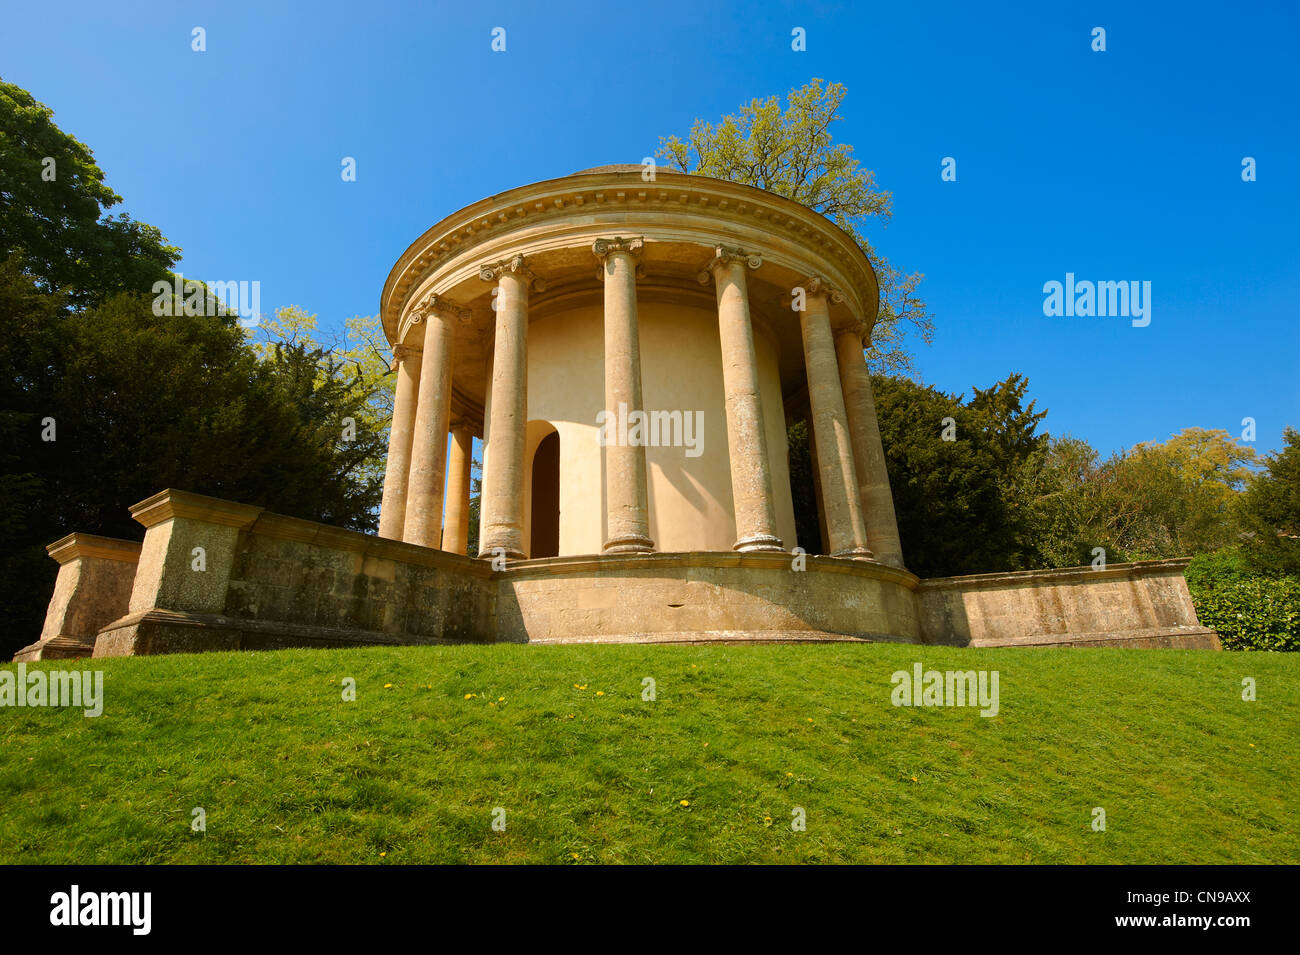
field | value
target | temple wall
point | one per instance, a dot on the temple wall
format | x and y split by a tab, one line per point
690	502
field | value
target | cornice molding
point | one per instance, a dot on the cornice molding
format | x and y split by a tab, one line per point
612	197
77	545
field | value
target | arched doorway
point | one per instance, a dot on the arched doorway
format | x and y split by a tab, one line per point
545	537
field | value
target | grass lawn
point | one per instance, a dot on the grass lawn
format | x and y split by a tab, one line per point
587	771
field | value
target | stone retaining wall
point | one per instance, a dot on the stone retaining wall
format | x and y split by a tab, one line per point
1142	604
214	575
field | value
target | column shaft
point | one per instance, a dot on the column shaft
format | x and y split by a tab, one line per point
830	424
455	529
751	474
429	450
877	502
392	511
627	528
503	454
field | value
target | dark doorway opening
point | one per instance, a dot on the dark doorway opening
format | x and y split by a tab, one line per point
545	538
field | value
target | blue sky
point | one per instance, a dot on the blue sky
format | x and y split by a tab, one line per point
1122	165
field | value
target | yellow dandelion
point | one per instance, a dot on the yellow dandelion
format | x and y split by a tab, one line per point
789	774
501	699
686	802
915	780
574	854
767	820
600	692
382	854
469	696
388	686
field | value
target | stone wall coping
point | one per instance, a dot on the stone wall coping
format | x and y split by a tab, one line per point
659	560
1016	578
171	503
76	545
281	527
256	520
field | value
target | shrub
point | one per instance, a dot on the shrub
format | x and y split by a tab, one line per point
1249	611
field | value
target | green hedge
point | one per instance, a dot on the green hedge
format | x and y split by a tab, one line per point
1249	611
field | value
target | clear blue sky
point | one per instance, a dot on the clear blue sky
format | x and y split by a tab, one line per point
1117	165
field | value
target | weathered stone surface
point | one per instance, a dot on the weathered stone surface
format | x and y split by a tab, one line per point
282	582
1143	604
93	588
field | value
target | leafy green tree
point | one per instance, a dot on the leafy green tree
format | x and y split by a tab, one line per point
1270	511
354	358
1178	497
955	470
53	217
790	152
103	407
1061	488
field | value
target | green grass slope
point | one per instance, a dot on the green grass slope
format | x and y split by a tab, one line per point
712	770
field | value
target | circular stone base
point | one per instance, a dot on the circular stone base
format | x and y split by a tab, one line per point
699	597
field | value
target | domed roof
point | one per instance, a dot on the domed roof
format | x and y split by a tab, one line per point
615	167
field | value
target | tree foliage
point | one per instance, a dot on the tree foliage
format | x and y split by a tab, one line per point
790	152
1270	511
53	218
99	408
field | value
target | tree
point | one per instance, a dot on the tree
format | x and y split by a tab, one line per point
53	218
356	355
1270	510
791	154
956	473
103	407
1177	498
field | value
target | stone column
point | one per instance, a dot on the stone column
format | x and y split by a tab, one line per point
424	499
751	474
848	537
455	529
392	511
627	528
868	453
502	518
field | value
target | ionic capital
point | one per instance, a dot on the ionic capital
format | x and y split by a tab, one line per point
401	353
728	255
603	248
515	264
817	285
439	305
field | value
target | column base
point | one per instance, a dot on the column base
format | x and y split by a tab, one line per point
631	544
758	542
855	553
489	552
